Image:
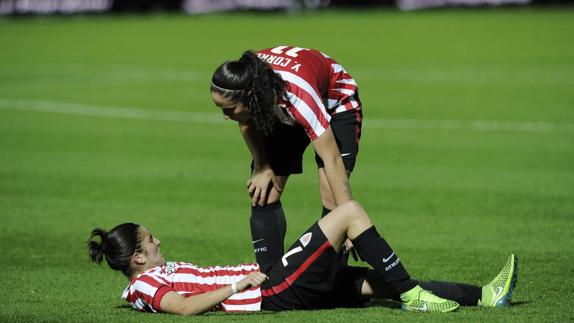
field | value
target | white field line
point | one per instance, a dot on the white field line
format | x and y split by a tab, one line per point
198	117
476	125
110	111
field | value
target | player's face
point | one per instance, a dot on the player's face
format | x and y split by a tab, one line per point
150	247
231	110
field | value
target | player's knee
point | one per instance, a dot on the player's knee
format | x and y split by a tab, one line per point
274	196
353	209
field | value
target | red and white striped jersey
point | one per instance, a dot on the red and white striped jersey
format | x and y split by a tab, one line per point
317	86
146	290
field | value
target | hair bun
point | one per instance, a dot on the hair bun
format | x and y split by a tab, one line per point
96	250
250	60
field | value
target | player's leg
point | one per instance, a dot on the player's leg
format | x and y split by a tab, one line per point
285	147
328	204
497	293
268	227
350	220
347	220
305	275
468	295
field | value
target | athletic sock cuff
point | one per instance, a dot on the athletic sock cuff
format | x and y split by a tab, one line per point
364	239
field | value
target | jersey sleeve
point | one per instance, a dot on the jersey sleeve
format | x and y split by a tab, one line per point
305	105
343	90
146	292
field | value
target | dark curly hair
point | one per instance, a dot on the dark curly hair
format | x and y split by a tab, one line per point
252	82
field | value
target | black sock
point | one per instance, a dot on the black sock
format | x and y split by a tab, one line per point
376	251
467	295
268	228
325	211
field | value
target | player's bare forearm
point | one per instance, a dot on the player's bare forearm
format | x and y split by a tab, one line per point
338	180
326	147
173	302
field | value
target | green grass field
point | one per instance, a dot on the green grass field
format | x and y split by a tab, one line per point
467	152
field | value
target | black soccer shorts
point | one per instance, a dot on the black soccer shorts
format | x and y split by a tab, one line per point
310	275
346	127
286	144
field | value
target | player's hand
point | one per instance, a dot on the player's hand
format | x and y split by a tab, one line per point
258	185
349	248
252	280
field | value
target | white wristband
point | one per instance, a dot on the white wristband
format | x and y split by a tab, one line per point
234	288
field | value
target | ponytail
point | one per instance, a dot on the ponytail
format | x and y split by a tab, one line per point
95	249
254	83
117	246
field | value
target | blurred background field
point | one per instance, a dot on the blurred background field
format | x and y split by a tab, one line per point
467	152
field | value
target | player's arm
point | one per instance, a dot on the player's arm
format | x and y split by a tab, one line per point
263	175
175	303
326	147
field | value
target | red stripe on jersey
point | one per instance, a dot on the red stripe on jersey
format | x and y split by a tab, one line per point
311	133
159	294
293	277
165	281
147	290
303	122
317	108
318	111
342	85
150	281
320	72
148	298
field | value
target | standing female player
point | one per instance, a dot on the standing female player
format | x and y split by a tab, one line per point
284	98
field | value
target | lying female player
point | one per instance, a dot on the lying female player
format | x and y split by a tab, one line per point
309	276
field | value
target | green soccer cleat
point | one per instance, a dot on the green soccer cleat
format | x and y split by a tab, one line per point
421	300
498	293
